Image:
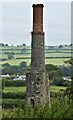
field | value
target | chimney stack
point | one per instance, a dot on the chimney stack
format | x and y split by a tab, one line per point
37	83
38	18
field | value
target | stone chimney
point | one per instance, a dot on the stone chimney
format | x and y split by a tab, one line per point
37	83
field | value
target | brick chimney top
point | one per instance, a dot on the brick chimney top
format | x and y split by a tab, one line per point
37	5
38	17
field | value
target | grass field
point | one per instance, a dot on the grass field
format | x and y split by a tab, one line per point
56	61
46	55
57	88
58	55
14	89
49	52
22	89
14	47
15	61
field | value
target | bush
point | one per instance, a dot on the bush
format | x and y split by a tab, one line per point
11	103
66	70
23	65
6	65
11	55
7	83
53	71
11	95
56	94
50	67
59	81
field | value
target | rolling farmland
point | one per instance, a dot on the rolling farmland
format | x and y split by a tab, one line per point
53	55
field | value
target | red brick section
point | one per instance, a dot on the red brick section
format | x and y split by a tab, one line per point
38	18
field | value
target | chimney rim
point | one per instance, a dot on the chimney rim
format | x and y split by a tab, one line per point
37	5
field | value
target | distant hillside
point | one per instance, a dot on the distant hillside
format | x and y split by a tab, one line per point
53	54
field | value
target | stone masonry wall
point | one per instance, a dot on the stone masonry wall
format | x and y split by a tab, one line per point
37	52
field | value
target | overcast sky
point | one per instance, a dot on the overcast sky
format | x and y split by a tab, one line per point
17	22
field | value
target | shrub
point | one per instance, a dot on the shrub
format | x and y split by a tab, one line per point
11	103
59	81
50	67
6	65
11	95
53	71
66	70
6	82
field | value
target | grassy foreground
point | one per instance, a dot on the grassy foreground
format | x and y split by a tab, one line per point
59	109
58	106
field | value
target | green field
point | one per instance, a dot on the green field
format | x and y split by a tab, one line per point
14	89
56	61
57	88
53	55
46	55
22	89
15	61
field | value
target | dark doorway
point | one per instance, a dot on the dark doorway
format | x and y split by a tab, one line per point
32	103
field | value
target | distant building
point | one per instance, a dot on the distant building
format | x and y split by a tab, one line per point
6	76
67	78
20	78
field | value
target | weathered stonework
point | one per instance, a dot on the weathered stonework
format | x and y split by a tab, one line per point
37	84
37	88
37	52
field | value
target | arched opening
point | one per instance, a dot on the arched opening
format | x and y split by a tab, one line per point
32	102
